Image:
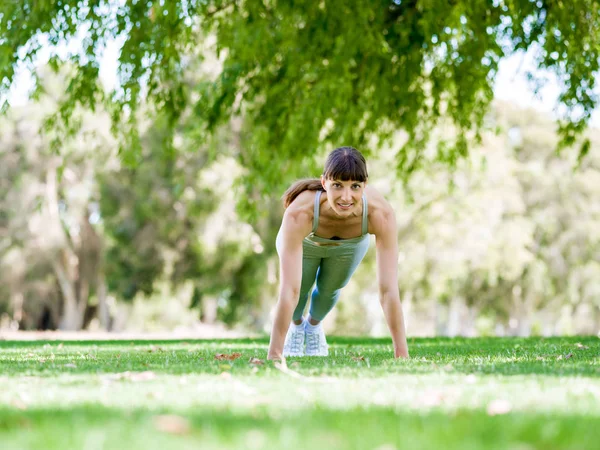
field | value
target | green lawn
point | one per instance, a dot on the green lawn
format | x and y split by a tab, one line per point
493	393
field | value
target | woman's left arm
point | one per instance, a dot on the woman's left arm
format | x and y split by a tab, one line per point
386	235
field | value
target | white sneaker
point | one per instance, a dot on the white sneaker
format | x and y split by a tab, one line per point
316	344
294	341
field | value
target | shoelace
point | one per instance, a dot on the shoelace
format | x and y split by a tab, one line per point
297	341
313	341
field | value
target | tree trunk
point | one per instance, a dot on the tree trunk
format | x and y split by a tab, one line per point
17	307
103	313
520	322
62	261
83	297
440	312
72	318
209	309
455	316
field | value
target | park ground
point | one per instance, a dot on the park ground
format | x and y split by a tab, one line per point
490	393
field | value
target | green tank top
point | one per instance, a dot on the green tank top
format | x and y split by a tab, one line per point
336	242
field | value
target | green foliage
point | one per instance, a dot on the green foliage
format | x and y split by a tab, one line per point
150	210
311	76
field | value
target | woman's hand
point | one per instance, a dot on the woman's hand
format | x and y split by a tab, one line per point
296	224
386	235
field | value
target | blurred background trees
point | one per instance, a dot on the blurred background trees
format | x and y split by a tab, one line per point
156	203
507	242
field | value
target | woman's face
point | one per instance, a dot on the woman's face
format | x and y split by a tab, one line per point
344	197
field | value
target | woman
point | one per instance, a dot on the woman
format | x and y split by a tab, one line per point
323	237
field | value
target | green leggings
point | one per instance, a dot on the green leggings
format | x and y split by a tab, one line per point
330	263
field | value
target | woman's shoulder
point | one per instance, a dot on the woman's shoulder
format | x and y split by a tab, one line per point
380	212
302	208
377	202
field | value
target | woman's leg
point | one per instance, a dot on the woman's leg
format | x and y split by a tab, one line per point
334	273
311	260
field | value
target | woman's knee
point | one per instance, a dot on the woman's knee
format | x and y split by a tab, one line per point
326	296
331	287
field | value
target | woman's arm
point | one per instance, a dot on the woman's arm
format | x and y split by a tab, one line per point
293	229
386	235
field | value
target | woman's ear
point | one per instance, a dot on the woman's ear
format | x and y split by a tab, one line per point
323	182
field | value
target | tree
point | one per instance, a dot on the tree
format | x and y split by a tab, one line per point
77	225
312	75
513	243
51	252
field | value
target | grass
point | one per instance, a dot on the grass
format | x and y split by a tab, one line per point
493	393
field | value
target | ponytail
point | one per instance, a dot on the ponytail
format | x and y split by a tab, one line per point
308	184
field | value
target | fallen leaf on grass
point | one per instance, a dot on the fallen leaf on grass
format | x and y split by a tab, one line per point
498	407
362	358
71	365
172	424
570	355
256	361
223	356
581	346
154	349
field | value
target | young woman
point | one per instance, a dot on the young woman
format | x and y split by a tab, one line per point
323	237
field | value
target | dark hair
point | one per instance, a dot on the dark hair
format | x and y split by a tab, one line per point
309	184
344	163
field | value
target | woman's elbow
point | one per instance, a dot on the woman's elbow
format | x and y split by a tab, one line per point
388	294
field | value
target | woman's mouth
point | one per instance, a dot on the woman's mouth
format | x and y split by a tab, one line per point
345	206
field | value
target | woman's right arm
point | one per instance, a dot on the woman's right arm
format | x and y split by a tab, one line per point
295	226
